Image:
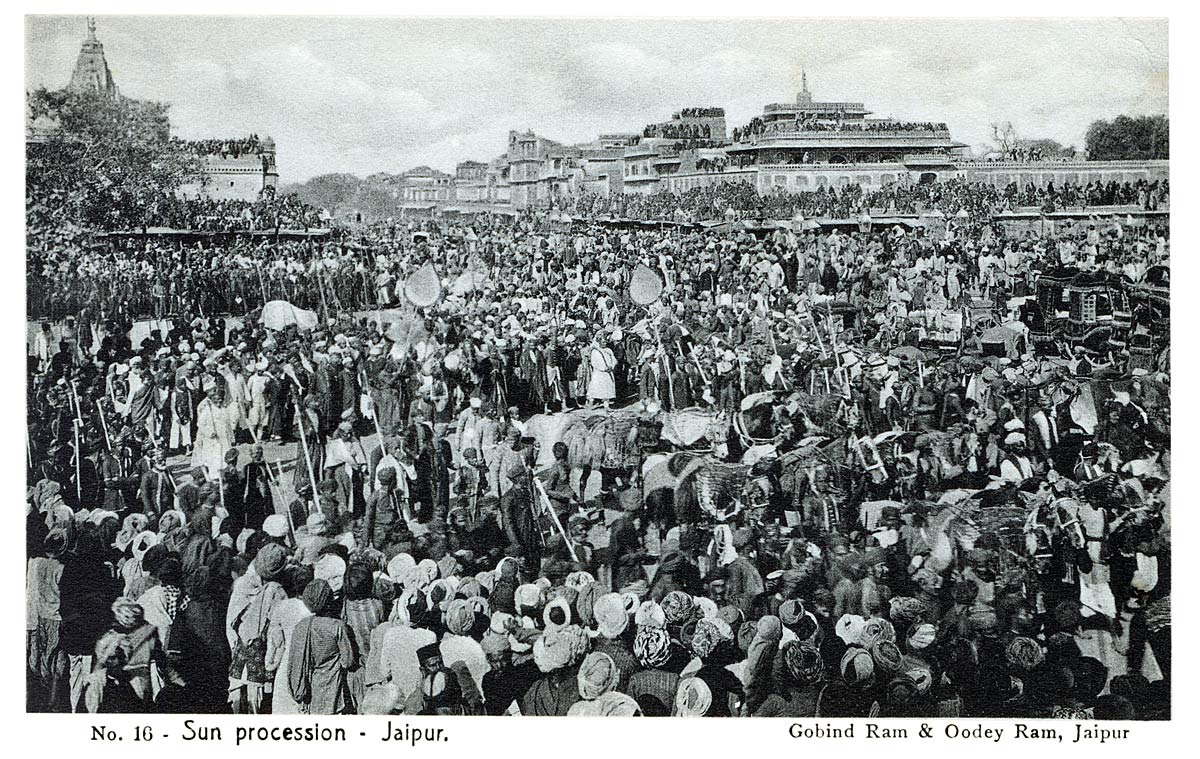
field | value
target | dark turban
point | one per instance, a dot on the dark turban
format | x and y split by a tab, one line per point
652	647
318	596
270	561
802	662
1023	654
678	607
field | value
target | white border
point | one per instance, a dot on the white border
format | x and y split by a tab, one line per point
562	737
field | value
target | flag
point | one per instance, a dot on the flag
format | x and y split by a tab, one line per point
1083	409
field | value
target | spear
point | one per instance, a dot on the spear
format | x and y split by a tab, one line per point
103	425
78	454
78	486
312	479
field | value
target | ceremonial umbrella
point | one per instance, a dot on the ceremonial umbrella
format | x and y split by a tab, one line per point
908	353
279	314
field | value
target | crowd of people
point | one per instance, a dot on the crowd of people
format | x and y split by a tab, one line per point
678	131
711	112
203	214
137	278
234	148
740	199
804	122
506	467
1021	154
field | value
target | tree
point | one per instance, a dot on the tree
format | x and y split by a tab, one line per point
328	191
1048	148
103	160
1005	135
1128	138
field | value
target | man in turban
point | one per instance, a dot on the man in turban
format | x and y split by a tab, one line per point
598	674
458	645
557	654
505	682
520	521
385	510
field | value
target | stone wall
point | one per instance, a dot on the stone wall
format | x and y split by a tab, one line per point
808	177
241	178
1041	173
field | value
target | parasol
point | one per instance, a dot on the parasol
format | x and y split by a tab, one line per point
908	353
423	288
278	314
668	471
645	286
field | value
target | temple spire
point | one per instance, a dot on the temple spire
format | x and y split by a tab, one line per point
805	97
91	69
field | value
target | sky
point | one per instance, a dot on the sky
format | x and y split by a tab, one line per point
368	94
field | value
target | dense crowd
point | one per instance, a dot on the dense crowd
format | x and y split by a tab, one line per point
740	199
609	471
700	113
138	278
808	123
678	131
201	214
234	148
120	212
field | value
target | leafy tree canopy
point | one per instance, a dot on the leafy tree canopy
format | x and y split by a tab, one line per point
1129	138
96	154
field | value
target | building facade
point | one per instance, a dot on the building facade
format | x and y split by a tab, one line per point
424	185
470	182
235	175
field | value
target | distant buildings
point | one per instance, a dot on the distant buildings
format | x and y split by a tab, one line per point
424	185
799	146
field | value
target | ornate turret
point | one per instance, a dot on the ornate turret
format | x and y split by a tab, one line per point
91	69
805	97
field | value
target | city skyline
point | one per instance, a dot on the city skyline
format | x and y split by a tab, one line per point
332	107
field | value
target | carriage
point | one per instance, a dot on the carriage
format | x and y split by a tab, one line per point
1150	334
1089	309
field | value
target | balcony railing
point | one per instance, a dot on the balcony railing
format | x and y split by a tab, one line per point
824	106
783	127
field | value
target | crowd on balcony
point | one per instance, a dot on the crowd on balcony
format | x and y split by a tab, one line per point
700	113
678	131
233	148
808	123
710	165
